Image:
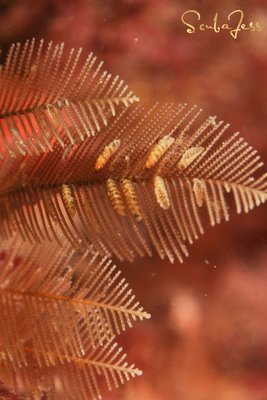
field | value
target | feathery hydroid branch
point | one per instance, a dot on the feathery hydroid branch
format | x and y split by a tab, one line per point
45	90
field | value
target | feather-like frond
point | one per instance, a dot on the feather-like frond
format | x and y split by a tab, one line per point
44	89
217	166
73	300
78	377
59	312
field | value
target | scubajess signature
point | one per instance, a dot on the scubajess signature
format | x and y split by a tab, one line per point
234	25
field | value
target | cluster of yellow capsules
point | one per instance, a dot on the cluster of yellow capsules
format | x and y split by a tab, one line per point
188	157
125	193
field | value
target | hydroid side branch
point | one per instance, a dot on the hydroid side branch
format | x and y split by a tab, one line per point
68	295
45	89
59	313
197	169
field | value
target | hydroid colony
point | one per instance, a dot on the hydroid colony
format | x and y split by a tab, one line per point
87	174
